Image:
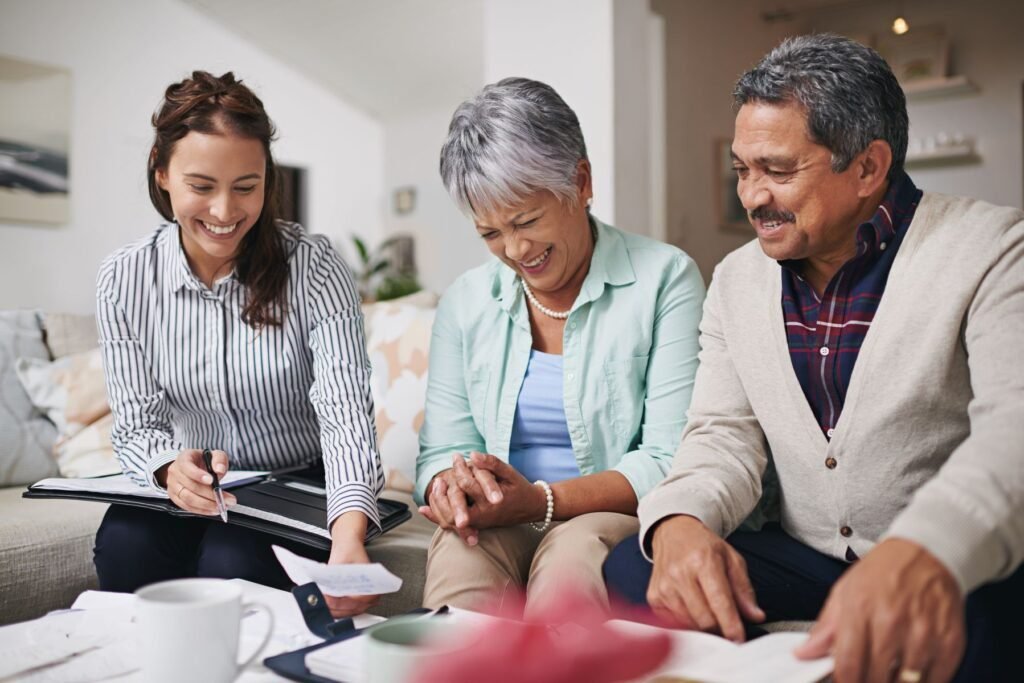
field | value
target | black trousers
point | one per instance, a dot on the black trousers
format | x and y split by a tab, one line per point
136	547
792	581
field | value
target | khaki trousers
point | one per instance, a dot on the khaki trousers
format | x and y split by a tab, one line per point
508	560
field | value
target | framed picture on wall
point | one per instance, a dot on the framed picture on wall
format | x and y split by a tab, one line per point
922	53
729	211
35	133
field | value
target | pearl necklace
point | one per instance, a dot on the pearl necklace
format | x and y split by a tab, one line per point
559	315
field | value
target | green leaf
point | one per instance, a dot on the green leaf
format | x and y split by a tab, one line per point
364	253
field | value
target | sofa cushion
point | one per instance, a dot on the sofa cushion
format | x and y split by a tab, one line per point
68	333
398	345
26	436
73	394
403	551
45	553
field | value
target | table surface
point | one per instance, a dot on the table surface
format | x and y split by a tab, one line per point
36	638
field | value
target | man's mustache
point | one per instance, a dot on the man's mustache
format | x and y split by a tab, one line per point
769	216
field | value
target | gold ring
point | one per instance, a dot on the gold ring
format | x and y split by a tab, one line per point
910	676
180	489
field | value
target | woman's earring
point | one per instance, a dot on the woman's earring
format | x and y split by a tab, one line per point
590	202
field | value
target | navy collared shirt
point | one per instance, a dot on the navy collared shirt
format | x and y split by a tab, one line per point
825	333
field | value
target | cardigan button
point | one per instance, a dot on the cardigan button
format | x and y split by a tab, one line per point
831	463
846	531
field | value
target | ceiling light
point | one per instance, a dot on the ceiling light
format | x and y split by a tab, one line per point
900	26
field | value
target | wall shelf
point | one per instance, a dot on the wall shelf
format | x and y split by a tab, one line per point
932	88
944	156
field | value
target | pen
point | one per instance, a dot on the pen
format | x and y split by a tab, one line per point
221	508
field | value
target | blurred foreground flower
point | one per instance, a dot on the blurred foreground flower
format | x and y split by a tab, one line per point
567	642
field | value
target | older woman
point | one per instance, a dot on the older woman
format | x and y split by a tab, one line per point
560	372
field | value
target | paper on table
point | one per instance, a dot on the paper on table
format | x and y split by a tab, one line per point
119	484
338	579
712	659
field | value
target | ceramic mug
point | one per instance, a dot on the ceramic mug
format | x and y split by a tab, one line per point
188	630
397	647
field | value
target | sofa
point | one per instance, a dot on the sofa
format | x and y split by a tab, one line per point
54	421
46	545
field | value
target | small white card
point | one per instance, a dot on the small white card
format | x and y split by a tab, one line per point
338	579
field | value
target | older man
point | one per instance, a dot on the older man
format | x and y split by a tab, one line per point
869	346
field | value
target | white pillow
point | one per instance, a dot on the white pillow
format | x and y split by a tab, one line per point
26	436
72	393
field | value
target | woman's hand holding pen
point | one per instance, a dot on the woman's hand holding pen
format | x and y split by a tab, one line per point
189	485
348	533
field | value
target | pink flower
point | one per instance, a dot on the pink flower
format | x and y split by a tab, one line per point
567	642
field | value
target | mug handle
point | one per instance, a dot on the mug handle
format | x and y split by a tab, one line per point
266	637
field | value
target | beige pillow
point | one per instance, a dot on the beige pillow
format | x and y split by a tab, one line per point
88	453
71	392
399	347
69	333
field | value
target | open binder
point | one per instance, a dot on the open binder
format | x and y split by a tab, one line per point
290	503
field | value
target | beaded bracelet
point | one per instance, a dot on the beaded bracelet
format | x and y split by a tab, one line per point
551	506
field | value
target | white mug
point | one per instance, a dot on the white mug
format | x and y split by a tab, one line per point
188	630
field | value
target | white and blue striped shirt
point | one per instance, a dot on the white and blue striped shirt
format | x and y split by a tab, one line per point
184	371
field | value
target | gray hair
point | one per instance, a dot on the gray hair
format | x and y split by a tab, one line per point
517	136
848	91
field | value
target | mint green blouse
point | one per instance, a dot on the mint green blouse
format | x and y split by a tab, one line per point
629	359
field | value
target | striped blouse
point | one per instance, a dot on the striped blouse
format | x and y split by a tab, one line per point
184	371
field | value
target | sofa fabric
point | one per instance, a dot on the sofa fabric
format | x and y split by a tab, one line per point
45	553
398	345
69	333
26	436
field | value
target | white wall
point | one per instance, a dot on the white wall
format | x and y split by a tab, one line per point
122	54
985	37
567	44
446	243
708	45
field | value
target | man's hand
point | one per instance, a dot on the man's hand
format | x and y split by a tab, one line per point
699	581
897	614
190	486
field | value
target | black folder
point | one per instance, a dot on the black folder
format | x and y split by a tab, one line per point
296	497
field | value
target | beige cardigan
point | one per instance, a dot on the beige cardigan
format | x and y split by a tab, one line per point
930	443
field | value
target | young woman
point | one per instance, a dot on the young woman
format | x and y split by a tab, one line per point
226	329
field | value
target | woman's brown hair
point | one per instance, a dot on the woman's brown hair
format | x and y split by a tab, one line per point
217	105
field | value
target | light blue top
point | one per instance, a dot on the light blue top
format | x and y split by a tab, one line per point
629	358
540	446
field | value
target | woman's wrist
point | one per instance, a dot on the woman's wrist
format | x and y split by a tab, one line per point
349	529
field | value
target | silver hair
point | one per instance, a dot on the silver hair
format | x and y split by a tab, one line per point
848	91
516	137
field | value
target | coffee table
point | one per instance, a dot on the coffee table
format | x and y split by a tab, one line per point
92	640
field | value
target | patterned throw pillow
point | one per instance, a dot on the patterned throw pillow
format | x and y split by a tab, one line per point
26	436
398	342
72	393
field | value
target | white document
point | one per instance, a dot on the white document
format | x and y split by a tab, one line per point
119	484
338	579
707	658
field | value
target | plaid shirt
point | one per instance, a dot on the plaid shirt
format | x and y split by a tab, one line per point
825	334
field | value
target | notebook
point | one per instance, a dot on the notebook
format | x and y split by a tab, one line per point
290	504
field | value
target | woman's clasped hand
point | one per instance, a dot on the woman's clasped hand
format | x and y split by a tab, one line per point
481	493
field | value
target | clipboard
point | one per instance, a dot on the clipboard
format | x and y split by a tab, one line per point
292	665
289	503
